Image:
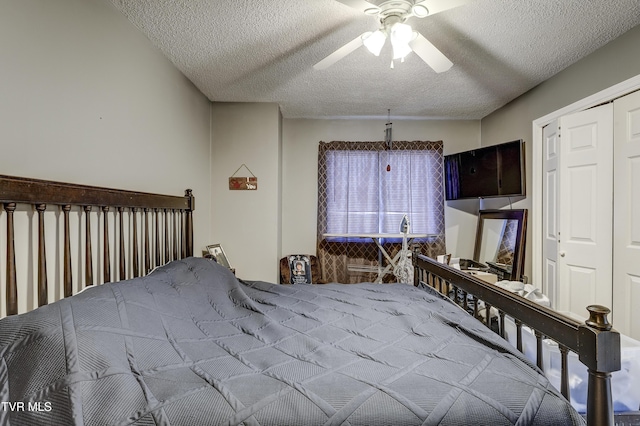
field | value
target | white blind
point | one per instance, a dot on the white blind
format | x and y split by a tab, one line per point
364	197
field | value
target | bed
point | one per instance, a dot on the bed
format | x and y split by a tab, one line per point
180	340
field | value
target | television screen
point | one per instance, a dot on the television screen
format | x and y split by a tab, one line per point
493	171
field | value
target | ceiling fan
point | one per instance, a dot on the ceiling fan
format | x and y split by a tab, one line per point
392	15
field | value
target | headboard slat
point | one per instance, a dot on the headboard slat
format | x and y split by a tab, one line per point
157	238
175	235
42	258
183	240
147	254
135	249
68	278
12	286
166	236
106	256
122	270
88	261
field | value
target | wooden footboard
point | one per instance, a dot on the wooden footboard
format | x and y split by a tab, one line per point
595	341
149	230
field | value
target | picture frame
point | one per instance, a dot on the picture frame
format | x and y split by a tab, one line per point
300	269
217	253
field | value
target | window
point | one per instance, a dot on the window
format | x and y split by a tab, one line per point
366	189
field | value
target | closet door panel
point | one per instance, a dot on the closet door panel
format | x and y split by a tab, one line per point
585	202
551	147
626	228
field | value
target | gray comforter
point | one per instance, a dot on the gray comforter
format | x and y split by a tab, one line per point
190	344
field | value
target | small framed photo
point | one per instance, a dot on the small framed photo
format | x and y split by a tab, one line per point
300	267
216	251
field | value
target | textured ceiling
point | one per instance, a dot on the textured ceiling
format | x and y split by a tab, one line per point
264	51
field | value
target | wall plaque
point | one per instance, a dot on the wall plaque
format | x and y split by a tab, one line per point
243	182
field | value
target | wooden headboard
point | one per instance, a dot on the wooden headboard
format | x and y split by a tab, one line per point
149	230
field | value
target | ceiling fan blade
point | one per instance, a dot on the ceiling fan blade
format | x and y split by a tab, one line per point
430	54
437	6
340	53
360	5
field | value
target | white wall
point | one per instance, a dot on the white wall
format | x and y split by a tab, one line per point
247	223
300	173
86	98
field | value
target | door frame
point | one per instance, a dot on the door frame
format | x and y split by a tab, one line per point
607	95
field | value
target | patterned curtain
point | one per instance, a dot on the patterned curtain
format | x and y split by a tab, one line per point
415	167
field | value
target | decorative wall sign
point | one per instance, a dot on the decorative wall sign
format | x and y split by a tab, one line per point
243	182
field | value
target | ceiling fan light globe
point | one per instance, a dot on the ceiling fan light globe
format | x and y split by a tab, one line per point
401	33
375	41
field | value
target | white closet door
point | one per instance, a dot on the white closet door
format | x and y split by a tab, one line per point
626	230
550	152
586	197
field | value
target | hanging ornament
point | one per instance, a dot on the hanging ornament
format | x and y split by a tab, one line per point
388	136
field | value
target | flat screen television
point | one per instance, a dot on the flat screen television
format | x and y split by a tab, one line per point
492	171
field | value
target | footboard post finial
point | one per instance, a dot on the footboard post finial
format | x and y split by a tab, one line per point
600	352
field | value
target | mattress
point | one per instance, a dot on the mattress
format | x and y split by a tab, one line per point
189	344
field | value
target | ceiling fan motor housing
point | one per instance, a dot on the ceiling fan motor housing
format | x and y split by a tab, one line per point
400	9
